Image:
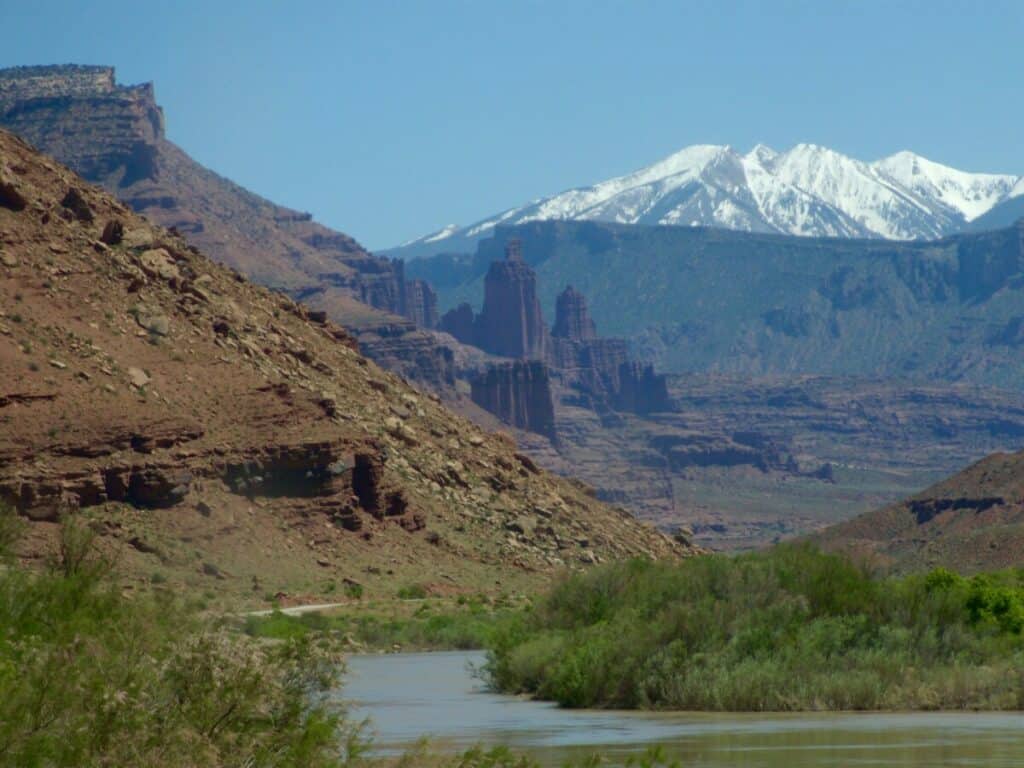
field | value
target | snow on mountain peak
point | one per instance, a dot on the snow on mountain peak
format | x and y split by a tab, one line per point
969	194
762	154
808	190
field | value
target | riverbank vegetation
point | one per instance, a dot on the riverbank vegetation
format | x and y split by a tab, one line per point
90	677
465	623
786	629
93	677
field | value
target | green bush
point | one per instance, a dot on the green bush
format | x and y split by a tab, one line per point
92	678
412	592
354	591
787	629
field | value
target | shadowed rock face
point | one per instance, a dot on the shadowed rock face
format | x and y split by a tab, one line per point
519	393
600	370
459	322
113	135
640	390
421	303
111	131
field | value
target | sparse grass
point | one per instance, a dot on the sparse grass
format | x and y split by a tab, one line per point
444	626
789	629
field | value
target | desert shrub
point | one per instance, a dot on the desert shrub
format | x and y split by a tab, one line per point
92	678
412	592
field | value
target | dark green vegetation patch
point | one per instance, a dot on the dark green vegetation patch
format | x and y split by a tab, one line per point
789	629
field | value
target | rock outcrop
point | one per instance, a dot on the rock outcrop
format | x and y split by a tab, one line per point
460	323
80	113
599	371
640	389
572	319
399	347
421	303
244	427
113	135
518	393
511	323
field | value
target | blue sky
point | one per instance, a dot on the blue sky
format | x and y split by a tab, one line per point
390	119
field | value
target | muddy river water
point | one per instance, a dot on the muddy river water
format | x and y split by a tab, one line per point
406	696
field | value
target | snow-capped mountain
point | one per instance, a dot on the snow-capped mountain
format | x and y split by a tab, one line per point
807	190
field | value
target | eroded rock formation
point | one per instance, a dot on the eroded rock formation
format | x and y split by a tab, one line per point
459	322
518	393
511	323
599	371
421	303
572	320
640	389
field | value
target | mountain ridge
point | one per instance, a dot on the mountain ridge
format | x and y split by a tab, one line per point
709	299
808	190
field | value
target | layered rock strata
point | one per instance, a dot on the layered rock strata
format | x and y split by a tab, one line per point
518	393
113	135
192	416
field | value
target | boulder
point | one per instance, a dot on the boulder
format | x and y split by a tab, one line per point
113	233
153	321
11	195
137	377
157	262
75	202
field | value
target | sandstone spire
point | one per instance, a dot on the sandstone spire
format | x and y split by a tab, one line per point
511	323
572	319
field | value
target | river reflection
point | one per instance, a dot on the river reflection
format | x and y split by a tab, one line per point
406	696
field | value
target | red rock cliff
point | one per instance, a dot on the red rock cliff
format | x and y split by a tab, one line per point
572	319
511	323
518	393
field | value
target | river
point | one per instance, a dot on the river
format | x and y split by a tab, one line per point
409	695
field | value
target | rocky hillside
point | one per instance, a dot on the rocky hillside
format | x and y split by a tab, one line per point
700	300
113	135
227	436
973	521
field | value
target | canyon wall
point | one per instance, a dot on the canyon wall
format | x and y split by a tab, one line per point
113	135
421	303
518	393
